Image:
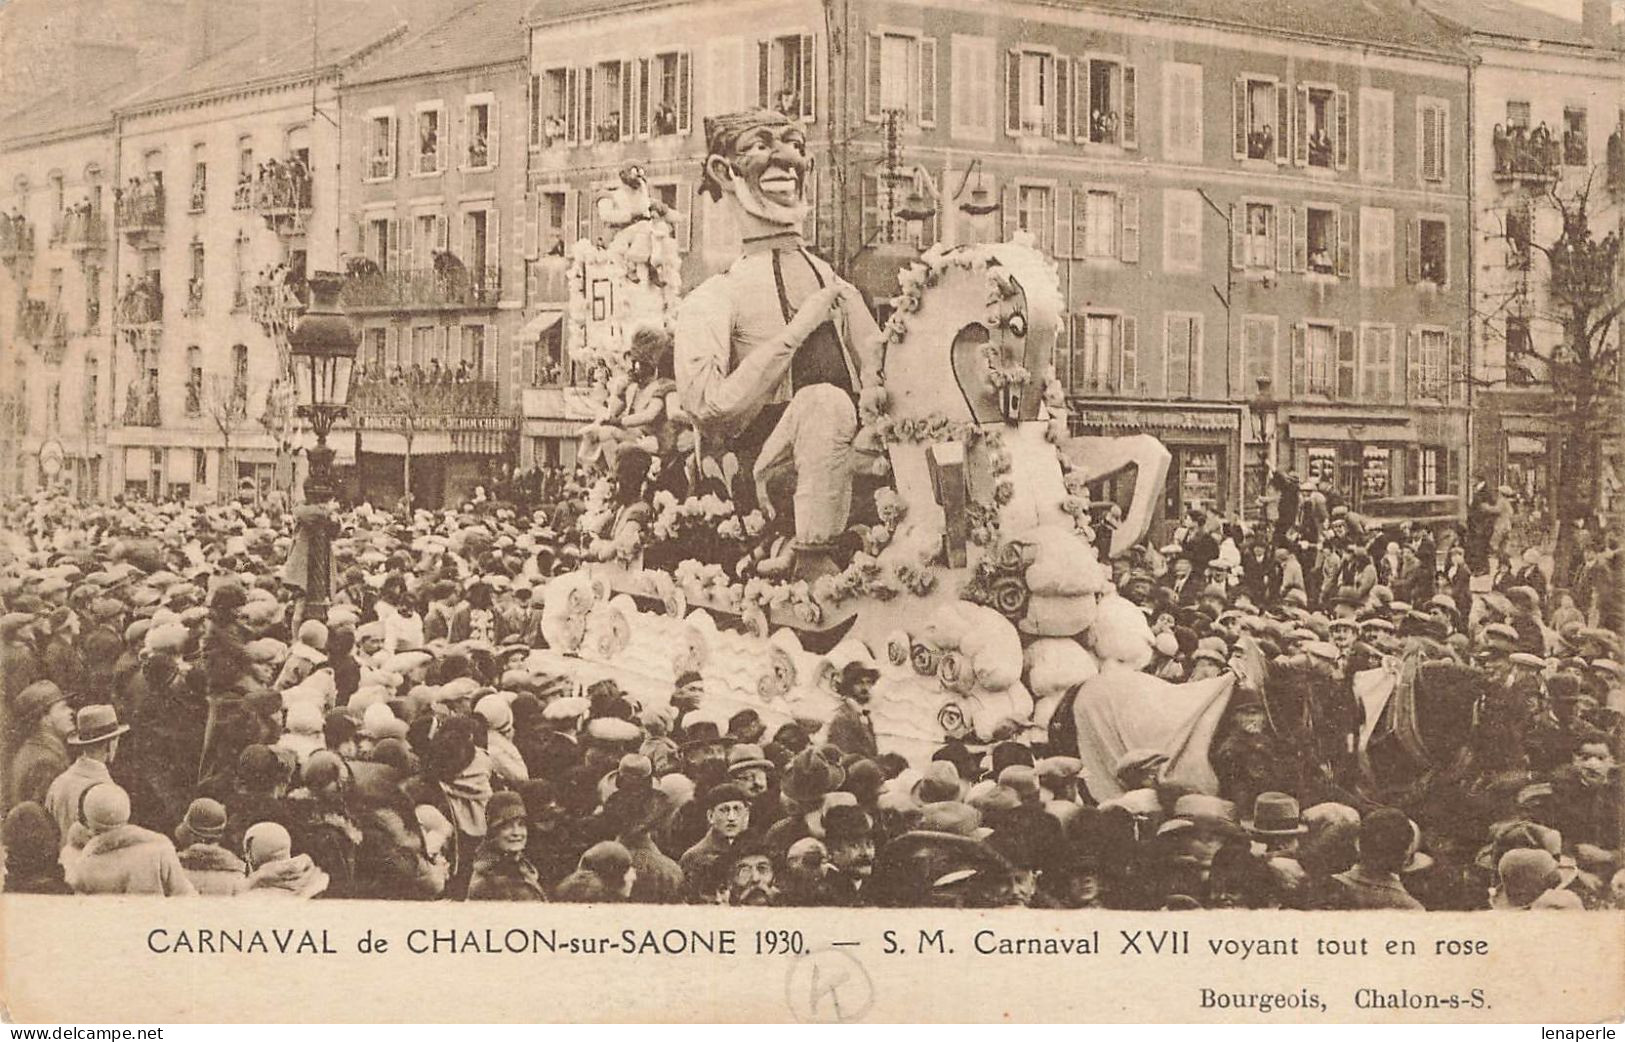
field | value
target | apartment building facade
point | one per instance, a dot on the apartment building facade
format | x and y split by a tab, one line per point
433	193
1548	121
1260	231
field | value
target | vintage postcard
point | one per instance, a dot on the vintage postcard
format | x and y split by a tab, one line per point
763	509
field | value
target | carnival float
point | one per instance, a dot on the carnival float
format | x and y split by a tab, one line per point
964	568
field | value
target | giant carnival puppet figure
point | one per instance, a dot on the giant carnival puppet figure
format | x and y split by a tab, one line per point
773	355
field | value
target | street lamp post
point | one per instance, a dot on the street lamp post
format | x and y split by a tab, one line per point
323	347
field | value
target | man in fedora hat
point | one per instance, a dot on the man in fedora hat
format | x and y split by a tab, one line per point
95	736
849	835
850	729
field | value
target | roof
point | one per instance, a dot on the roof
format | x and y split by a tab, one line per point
1510	19
89	104
486	32
347	29
1391	23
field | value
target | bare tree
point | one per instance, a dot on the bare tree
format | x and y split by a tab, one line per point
226	405
1570	283
275	306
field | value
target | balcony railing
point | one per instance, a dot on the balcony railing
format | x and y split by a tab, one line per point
414	394
142	303
451	287
273	302
140	205
16	237
194	297
141	403
1522	155
80	229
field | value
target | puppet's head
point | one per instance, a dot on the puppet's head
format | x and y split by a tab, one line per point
758	158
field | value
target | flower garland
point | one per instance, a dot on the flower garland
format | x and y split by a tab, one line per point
1000	579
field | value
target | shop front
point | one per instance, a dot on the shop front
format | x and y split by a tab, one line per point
442	459
1388	468
1205	443
552	421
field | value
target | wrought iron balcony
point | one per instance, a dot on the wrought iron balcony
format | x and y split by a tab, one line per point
282	187
412	393
140	206
1522	155
141	403
273	303
452	286
16	238
80	229
142	303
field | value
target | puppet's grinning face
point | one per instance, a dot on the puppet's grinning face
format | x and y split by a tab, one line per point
767	169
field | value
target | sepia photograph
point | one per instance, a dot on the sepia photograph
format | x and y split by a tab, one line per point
1127	455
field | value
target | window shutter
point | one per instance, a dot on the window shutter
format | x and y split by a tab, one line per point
1285	238
826	200
1063	223
871	94
764	63
493	133
685	92
572	105
1284	123
584	210
1457	374
1130	123
589	96
683	220
442	232
1413	470
1008	211
1061	112
815	195
1128	352
533	110
1413	367
644	87
1080	223
928	81
1345	244
1080	100
1413	249
1238	119
1300	241
394	146
1177	378
1341	129
493	251
1129	230
1346	363
1300	128
533	220
628	101
1238	245
1300	361
409	257
1012	92
809	78
394	234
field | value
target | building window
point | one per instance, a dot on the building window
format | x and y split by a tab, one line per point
194	381
611	91
880	200
477	226
975	101
1319	114
1111	102
423	346
1518	115
1376	134
380	243
1429	471
1033	92
1431	372
194	285
1377	363
1182	355
93	297
1321	234
1521	359
1257	119
554	222
381	147
1520	237
200	180
785	75
556	115
1258	237
1035	214
374	357
1097	356
243	194
1182	230
1575	148
480	128
1182	112
902	78
471	365
429	132
1100	217
1433	134
1434	246
1376	246
1312	358
669	87
1258	333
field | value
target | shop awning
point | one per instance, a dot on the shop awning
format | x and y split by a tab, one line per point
1402	433
552	428
545	320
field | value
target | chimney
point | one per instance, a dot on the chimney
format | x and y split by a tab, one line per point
1596	21
199	31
